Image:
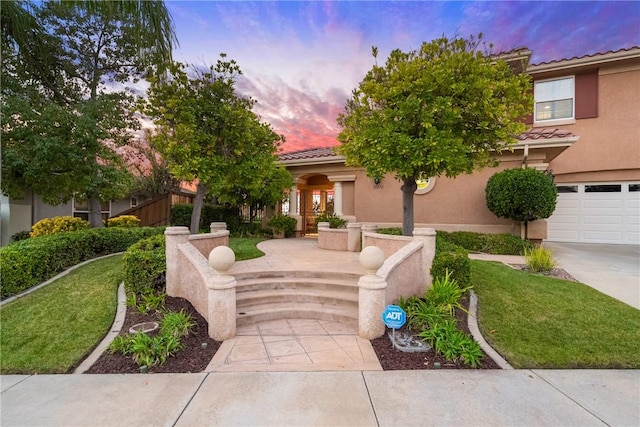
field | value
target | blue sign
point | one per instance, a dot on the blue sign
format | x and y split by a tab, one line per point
394	317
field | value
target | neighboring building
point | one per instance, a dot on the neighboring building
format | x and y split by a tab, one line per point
20	215
585	128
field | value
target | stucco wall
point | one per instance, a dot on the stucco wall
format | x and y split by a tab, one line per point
609	145
205	243
388	244
333	239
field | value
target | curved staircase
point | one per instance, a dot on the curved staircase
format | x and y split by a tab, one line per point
272	295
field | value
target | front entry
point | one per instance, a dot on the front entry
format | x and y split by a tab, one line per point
315	198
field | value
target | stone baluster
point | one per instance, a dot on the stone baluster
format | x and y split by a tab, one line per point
371	294
353	237
222	295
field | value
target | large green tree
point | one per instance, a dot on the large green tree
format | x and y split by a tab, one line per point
64	118
208	133
445	108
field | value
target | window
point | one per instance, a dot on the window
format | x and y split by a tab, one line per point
567	188
634	187
554	99
605	188
81	209
425	185
134	202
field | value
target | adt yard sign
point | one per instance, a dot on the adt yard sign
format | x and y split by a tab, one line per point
394	317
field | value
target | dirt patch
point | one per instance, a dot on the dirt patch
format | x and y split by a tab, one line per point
557	273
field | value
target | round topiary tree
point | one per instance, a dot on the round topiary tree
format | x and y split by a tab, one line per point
521	194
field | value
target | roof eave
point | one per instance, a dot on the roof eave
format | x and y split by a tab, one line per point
584	61
313	161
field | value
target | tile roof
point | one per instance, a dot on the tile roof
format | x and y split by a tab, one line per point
312	153
591	55
544	133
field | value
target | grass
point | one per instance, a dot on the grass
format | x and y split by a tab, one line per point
245	247
541	322
52	329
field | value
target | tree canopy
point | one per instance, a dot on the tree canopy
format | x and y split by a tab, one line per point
443	109
209	134
64	118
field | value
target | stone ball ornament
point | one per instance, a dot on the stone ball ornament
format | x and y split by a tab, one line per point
371	258
221	258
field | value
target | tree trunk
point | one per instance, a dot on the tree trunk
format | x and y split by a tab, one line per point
198	201
409	187
95	212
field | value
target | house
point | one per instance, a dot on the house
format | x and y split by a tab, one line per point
21	215
585	129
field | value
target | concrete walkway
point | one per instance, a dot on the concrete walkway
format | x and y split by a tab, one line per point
400	398
612	269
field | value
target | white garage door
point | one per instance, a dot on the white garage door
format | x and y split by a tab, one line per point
597	213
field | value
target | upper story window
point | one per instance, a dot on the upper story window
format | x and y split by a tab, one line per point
554	99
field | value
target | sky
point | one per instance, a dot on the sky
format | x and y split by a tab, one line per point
301	60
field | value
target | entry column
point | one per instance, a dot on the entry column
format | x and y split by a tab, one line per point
338	205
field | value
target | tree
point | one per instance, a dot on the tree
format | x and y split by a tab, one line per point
63	122
152	175
521	195
442	109
207	132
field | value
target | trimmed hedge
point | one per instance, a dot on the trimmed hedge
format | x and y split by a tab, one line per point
181	216
452	258
144	262
26	263
497	244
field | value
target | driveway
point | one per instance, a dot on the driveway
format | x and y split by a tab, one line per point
612	269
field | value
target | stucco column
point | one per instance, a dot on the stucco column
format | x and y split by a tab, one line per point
428	237
222	295
218	226
293	200
353	237
174	236
337	198
371	295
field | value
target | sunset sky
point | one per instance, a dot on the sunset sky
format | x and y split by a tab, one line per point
301	60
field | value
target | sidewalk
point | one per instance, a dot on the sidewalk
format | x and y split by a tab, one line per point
399	398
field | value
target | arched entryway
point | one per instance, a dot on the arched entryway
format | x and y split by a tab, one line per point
315	197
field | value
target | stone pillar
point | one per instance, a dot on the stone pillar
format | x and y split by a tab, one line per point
222	295
323	225
337	198
353	237
174	236
218	226
293	200
367	228
371	295
428	237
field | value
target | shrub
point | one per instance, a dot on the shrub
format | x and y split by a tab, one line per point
283	223
521	194
540	260
181	216
123	221
453	260
393	231
20	235
498	244
58	224
505	244
445	293
334	220
29	262
144	262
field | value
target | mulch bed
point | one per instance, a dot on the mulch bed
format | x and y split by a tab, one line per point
392	359
194	357
558	273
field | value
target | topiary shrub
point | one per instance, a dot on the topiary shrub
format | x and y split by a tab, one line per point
466	239
497	244
144	262
29	262
452	259
58	224
521	194
20	235
181	216
124	221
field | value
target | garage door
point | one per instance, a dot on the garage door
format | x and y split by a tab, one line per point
597	213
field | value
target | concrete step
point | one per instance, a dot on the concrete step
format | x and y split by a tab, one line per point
305	310
347	297
289	274
300	283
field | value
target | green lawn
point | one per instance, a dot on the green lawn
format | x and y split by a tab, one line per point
52	329
245	247
541	322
